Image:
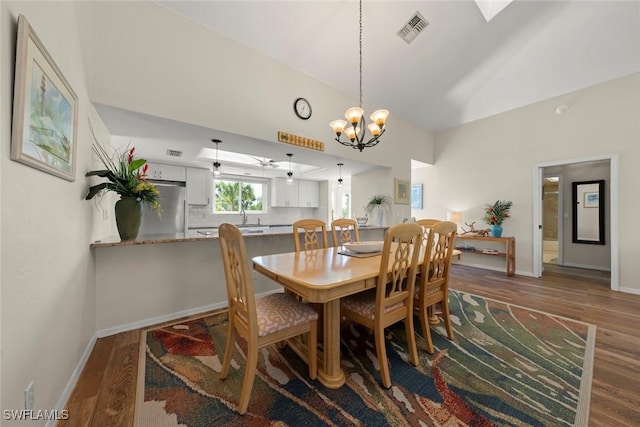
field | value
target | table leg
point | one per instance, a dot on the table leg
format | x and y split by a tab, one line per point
432	316
330	373
511	256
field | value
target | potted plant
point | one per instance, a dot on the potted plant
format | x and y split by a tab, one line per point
495	214
126	176
378	203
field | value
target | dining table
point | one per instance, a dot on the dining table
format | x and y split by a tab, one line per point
323	276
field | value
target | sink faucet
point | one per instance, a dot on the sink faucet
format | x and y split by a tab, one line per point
244	216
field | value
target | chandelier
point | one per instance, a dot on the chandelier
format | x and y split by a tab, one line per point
355	124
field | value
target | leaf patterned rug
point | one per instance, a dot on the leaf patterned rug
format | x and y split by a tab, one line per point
508	365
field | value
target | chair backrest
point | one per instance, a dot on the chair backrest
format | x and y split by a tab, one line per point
344	230
427	225
242	304
437	260
313	230
398	264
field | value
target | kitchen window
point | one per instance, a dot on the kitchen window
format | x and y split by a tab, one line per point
235	195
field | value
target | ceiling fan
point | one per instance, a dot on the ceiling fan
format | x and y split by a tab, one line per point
267	163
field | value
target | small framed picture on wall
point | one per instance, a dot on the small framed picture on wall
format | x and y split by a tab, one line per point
401	193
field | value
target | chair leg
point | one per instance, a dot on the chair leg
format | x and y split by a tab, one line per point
312	345
447	318
382	357
249	376
424	323
228	350
411	340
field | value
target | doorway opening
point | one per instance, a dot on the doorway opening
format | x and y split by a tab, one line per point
603	257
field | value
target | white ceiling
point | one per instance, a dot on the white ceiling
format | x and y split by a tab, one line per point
460	68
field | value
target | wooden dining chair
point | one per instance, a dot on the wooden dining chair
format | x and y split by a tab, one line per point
433	281
392	300
344	230
263	321
314	233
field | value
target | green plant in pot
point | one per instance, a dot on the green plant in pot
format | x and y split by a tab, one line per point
126	176
378	204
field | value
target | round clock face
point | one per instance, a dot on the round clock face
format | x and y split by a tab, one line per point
302	108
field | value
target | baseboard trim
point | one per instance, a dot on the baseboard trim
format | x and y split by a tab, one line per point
627	290
169	317
66	393
74	378
487	267
586	266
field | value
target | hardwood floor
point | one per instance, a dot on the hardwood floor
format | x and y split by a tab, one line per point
105	393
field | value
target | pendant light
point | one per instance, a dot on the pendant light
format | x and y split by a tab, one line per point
354	126
340	179
216	164
289	174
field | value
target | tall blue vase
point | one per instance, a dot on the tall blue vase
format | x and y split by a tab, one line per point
496	231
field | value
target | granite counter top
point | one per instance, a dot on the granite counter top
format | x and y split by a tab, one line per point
192	235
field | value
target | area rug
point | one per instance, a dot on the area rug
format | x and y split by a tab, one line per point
507	366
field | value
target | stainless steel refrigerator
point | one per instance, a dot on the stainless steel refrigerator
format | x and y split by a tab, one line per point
172	219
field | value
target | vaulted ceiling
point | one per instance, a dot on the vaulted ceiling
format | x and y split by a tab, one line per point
458	69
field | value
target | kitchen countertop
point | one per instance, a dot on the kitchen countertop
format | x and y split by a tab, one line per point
193	236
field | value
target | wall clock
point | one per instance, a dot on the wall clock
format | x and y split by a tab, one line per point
302	108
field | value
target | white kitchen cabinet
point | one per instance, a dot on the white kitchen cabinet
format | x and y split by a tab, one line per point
308	194
198	186
284	194
167	172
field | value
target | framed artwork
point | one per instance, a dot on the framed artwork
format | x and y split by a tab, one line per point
591	199
416	196
401	192
45	109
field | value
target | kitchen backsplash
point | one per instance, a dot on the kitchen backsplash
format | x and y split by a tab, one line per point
201	216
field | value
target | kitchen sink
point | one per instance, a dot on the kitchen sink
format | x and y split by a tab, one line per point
254	229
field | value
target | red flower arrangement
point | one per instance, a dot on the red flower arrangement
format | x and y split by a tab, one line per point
496	213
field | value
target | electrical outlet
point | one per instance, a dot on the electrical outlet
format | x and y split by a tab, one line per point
29	397
105	215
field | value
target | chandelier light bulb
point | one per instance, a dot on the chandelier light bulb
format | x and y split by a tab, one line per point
353	115
379	117
338	126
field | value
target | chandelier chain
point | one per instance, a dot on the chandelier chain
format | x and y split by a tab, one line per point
360	46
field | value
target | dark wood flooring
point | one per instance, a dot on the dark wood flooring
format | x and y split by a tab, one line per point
105	392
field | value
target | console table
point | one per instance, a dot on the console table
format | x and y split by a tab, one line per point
509	251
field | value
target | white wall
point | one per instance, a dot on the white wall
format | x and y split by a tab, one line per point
47	271
494	158
151	60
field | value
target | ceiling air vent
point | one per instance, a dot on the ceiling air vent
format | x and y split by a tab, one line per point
174	153
413	27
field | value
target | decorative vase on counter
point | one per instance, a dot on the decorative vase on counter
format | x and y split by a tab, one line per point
128	216
496	230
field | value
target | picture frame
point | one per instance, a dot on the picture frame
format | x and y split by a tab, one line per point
45	109
592	199
416	196
402	191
